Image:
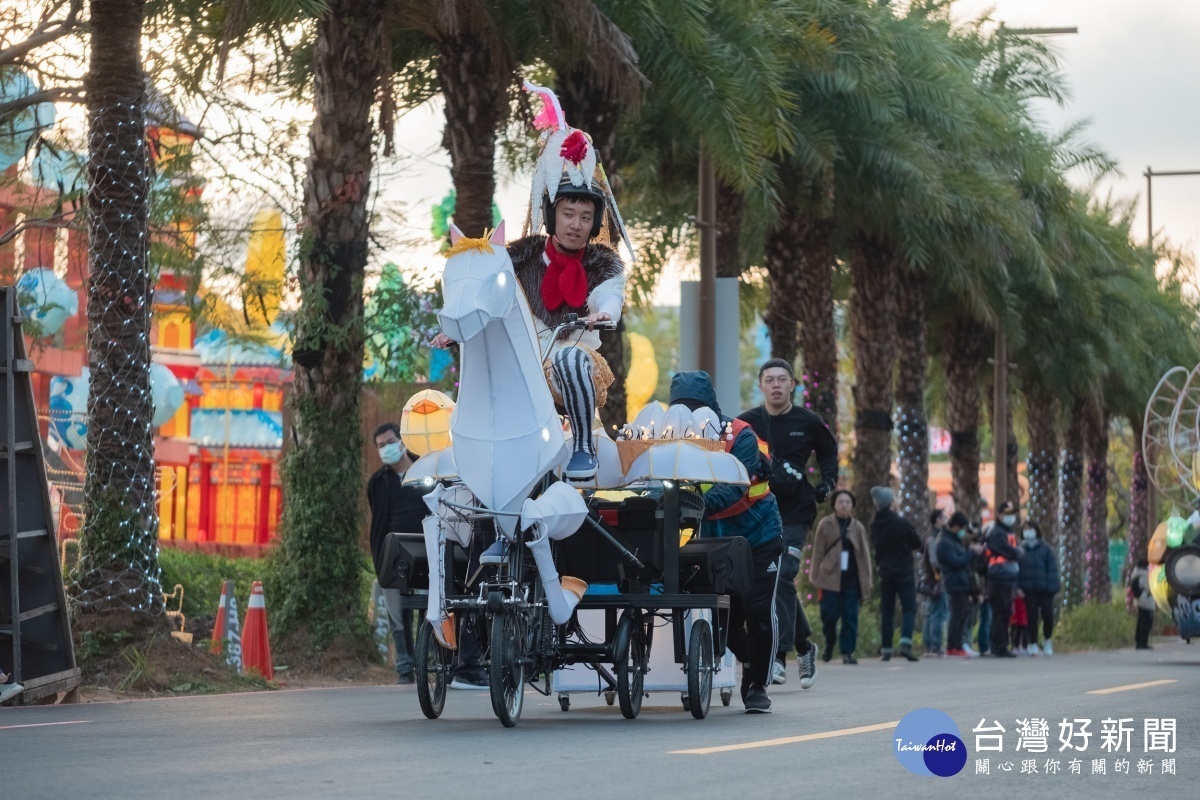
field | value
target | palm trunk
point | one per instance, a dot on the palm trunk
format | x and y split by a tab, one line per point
1070	517
318	561
1013	492
966	347
474	101
118	569
799	262
1041	465
911	420
873	268
1097	580
1139	506
588	109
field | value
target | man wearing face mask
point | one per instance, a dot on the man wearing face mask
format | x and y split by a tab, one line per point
956	563
395	508
1004	556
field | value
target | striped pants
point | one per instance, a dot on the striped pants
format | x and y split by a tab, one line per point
574	377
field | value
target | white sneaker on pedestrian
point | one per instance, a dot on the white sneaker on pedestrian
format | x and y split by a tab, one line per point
1019	651
1048	648
778	673
970	652
1034	650
808	667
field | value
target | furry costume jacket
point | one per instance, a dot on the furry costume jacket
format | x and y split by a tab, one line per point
605	281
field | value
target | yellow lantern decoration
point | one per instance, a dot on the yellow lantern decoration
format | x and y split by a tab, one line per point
643	374
425	422
1157	550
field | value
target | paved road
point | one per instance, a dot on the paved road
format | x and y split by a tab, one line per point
373	741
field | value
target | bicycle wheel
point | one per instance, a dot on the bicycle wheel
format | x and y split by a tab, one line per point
700	669
433	665
630	658
507	671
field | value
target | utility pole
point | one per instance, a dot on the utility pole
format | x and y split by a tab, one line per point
1000	361
706	224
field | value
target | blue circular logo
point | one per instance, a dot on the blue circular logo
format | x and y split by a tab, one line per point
928	742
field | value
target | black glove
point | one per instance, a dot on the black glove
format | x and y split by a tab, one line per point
782	477
821	493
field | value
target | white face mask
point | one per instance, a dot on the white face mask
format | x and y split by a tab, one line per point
1009	520
390	453
1029	534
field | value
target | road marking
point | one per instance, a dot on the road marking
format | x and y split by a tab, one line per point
808	737
1132	686
44	724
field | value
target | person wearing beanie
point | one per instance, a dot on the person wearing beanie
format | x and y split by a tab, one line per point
793	434
895	541
753	627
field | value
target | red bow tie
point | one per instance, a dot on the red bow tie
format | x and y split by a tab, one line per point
564	281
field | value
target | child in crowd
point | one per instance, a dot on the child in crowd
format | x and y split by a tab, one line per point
1019	625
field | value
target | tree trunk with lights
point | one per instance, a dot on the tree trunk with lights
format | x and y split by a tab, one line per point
318	571
1041	464
799	317
1139	506
118	573
1097	581
911	423
966	348
873	268
1070	517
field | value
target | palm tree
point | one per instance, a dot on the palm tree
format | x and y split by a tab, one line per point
966	349
118	574
1097	585
1070	516
1041	463
318	560
911	421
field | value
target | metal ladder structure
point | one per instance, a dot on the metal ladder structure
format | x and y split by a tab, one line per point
36	648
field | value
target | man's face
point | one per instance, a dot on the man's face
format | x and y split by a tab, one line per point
573	218
387	437
776	385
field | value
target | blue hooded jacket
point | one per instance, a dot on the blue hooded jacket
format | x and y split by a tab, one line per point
760	523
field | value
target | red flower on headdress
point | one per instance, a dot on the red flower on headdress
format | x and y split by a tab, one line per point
575	147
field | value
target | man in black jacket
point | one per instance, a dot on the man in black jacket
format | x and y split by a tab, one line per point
394	508
793	434
895	541
957	562
1004	556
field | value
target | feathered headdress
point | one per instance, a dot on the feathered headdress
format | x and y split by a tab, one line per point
567	154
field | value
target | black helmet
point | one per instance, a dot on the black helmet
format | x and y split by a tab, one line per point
568	189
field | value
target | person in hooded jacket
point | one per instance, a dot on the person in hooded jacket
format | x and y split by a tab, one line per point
896	541
753	628
1038	579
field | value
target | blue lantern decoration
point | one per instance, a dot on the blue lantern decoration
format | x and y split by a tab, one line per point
46	300
68	409
167	392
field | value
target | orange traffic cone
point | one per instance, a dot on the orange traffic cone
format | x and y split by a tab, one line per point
218	634
256	645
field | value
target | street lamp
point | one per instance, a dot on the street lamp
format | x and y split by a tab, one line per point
1000	363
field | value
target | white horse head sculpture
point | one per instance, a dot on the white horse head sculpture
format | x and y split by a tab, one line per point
506	432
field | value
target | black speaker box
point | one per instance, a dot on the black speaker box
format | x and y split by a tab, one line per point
405	564
1183	569
716	566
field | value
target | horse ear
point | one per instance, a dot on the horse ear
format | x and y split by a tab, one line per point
455	234
498	235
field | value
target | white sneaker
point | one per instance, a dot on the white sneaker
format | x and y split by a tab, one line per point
970	653
778	673
1048	648
1034	650
1019	651
9	691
